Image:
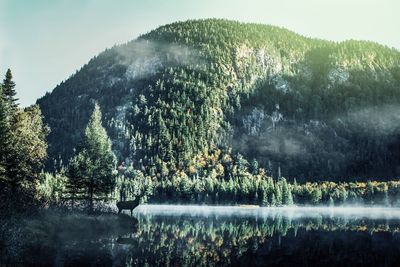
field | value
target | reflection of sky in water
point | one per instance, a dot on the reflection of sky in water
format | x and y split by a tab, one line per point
265	212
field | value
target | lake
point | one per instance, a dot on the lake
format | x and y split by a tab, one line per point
167	235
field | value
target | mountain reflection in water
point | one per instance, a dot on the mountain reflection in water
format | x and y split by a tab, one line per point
226	236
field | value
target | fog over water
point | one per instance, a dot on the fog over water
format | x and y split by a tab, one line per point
189	235
292	212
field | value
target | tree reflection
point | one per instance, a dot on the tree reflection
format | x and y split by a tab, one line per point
213	240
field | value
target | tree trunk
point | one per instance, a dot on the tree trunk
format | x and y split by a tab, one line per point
91	195
73	200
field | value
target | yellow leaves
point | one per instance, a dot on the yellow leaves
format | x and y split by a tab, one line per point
226	158
220	169
218	152
218	241
192	170
362	228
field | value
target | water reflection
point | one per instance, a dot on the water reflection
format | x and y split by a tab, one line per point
250	236
221	236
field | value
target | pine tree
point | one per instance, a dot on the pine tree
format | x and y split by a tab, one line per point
28	144
289	201
9	92
254	166
286	194
92	169
4	135
24	149
278	194
76	187
273	200
370	192
316	195
295	185
264	195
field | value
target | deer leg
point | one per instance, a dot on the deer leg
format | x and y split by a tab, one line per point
119	211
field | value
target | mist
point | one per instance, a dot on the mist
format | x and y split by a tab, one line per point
380	120
292	212
144	58
351	143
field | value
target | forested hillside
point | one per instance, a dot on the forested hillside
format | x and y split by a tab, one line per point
209	98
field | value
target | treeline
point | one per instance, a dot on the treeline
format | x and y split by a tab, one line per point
234	182
23	149
219	177
214	176
223	177
246	187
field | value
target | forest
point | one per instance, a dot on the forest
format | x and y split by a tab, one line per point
210	112
303	108
93	175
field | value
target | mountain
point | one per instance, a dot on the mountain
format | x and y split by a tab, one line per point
299	107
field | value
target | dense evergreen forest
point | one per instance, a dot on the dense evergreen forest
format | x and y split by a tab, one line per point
302	108
211	111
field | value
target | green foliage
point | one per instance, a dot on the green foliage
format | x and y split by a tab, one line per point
223	178
23	148
4	135
188	104
28	144
51	187
214	84
316	196
9	92
131	183
92	170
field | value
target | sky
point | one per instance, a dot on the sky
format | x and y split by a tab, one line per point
46	41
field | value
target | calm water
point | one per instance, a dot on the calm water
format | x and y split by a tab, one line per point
211	236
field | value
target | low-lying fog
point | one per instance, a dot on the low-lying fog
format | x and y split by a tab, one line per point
351	212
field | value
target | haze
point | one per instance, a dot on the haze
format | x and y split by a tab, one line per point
294	212
46	41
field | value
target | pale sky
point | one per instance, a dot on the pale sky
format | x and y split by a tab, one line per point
46	41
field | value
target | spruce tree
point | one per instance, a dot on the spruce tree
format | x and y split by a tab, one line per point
316	196
28	147
75	186
278	194
23	147
273	200
4	135
290	199
92	169
9	92
23	151
287	197
254	166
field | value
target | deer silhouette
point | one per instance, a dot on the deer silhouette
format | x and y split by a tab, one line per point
129	205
